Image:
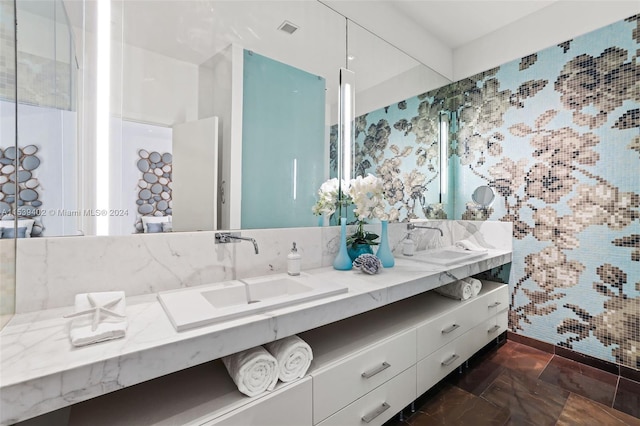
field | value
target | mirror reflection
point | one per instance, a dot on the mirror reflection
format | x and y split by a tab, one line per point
219	115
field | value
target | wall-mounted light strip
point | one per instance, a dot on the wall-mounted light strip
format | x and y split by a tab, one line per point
345	123
444	156
103	101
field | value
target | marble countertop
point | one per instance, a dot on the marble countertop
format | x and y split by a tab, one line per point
40	371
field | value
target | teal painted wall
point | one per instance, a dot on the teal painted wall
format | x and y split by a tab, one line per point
283	135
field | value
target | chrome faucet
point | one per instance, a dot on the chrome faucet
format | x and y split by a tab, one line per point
234	237
412	226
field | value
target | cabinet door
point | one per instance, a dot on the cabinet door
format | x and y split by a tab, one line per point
289	406
338	385
380	404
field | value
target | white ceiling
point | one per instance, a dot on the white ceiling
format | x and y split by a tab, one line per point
419	31
191	30
458	38
456	23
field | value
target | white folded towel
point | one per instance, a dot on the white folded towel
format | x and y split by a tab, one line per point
469	245
253	371
456	290
294	357
98	317
476	285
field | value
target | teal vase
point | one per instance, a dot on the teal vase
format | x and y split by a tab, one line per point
342	261
359	249
384	252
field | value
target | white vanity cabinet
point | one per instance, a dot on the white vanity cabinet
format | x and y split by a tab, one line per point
366	368
201	395
289	405
369	367
446	341
337	385
379	405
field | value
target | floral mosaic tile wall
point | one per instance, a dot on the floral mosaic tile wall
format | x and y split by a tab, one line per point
399	143
556	134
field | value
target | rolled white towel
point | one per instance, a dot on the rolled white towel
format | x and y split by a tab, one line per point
294	357
456	290
98	317
476	285
253	371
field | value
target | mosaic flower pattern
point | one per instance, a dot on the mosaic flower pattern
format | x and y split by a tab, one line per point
567	178
405	155
562	152
617	326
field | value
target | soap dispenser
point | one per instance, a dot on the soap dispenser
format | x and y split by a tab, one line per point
293	261
408	246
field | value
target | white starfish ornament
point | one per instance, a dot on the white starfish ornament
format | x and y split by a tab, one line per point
98	309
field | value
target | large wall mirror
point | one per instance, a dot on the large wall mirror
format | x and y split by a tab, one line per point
8	113
217	114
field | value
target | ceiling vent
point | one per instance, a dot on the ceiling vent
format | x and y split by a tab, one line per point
288	27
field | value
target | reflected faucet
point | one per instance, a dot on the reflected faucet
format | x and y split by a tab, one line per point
412	226
234	237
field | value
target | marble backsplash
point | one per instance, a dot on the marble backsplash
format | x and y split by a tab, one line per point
51	271
7	280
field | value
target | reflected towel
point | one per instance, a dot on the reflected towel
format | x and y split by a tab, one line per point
456	290
253	371
470	246
476	285
294	357
98	317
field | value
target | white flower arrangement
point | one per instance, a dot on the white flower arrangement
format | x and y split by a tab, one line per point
328	200
365	193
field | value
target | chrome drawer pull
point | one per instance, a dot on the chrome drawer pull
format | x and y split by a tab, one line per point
379	369
375	413
450	329
493	329
493	305
450	360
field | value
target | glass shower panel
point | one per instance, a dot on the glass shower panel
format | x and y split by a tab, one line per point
47	163
7	145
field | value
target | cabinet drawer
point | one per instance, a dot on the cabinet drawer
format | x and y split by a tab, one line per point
491	328
380	404
436	366
497	300
437	332
289	406
344	382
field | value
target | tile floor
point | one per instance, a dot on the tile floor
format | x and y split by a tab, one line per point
515	384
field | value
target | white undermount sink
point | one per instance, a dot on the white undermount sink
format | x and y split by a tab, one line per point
208	304
447	256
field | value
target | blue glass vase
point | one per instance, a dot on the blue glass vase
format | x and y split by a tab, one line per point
359	249
342	261
384	252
